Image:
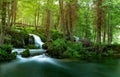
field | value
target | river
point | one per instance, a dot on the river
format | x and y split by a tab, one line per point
41	66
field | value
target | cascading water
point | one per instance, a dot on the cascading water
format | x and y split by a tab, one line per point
39	58
76	38
33	66
37	40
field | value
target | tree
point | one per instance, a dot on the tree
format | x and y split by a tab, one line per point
3	25
99	20
109	23
62	17
48	21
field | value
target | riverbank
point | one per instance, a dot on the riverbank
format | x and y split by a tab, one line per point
59	48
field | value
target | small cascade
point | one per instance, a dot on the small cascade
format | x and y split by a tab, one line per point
38	42
76	38
38	58
42	58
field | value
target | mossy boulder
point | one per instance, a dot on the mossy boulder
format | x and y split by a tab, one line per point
26	53
45	46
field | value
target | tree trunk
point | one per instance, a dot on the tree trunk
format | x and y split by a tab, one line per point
99	20
62	17
109	28
71	23
9	18
3	26
104	30
48	24
35	20
67	24
13	11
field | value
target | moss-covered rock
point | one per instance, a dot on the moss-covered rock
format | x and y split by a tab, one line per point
26	53
45	46
31	46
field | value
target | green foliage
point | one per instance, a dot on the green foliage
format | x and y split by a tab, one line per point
5	53
108	53
26	53
56	34
64	49
7	48
73	49
88	55
70	53
57	48
18	38
7	39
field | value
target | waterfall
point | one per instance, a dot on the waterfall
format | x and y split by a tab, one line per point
76	38
38	42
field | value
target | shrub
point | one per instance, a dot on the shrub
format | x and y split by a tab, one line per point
71	53
5	53
89	55
57	48
4	56
56	34
7	39
17	38
7	48
108	53
64	49
73	50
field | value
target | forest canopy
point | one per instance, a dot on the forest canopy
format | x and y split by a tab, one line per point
94	20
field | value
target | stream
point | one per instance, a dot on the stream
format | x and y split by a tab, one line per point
43	66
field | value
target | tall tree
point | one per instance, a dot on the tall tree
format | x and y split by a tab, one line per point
71	17
48	20
70	21
62	17
99	20
109	23
13	11
3	25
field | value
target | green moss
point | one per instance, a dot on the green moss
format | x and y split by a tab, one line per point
31	46
26	53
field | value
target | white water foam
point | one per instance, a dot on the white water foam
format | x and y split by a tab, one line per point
37	40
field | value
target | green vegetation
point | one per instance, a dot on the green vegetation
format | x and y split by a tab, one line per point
57	22
31	46
61	48
26	53
5	53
